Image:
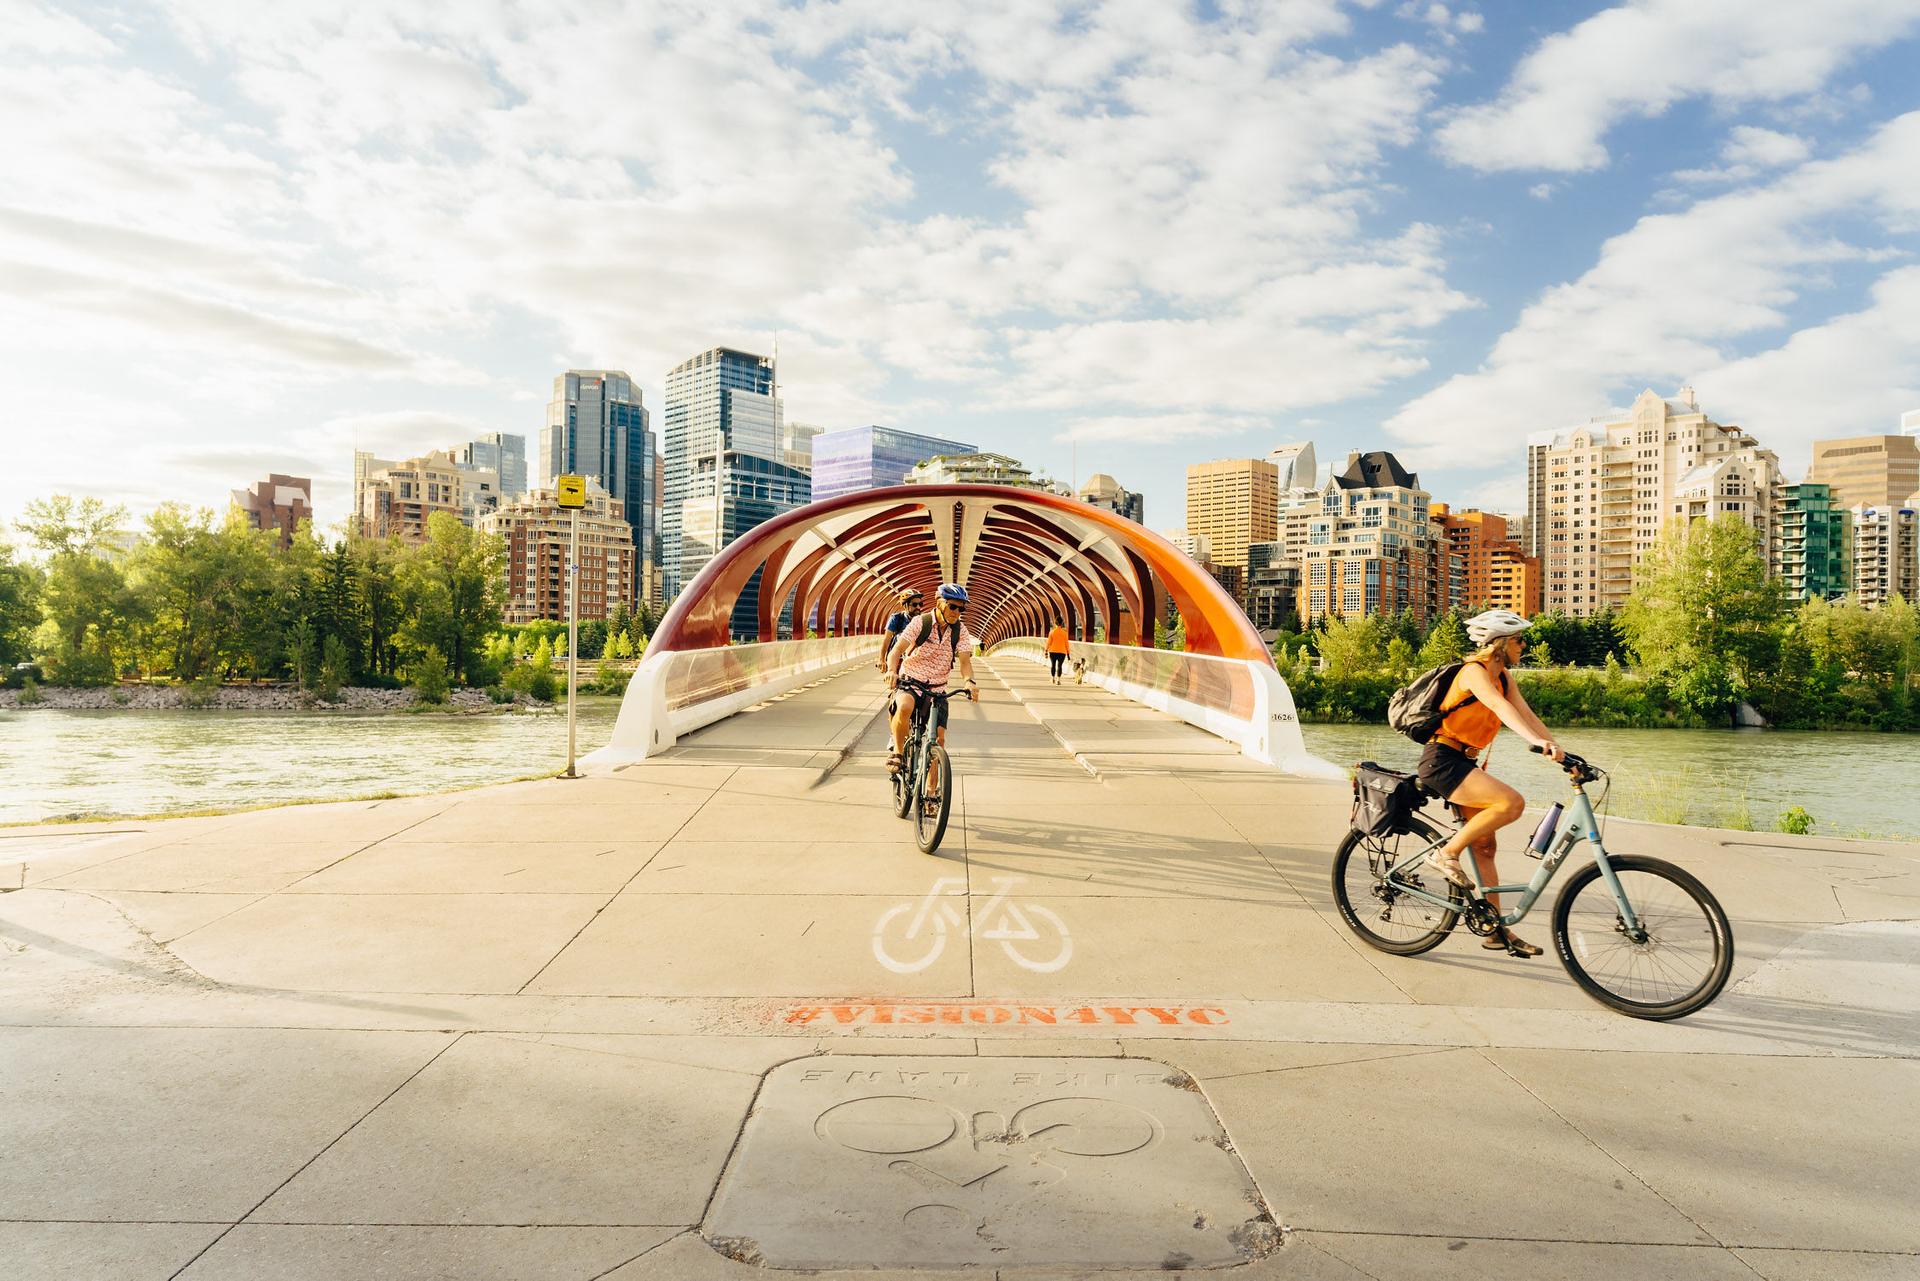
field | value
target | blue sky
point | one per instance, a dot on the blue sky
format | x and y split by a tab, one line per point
238	238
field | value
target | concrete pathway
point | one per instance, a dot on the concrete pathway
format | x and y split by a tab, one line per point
643	1026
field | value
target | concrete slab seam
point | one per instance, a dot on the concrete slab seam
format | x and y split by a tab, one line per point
1601	1148
452	1041
643	1254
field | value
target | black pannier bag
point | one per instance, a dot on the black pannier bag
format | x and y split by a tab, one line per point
1383	800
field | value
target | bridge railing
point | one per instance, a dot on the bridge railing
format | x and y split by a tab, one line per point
675	692
1244	702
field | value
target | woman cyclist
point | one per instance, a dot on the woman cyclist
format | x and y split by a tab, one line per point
1483	696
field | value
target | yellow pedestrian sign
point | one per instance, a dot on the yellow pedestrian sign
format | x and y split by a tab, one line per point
572	491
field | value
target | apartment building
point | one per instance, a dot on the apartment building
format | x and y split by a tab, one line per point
1197	546
537	531
1273	588
1371	548
278	503
1869	471
1886	551
1600	494
1495	571
396	498
1233	503
1811	548
1102	490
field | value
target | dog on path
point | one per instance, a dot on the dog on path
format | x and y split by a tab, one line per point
1079	671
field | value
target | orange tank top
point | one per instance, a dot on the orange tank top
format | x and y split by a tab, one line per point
1057	641
1472	723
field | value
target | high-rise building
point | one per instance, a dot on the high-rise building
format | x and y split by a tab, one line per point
725	439
395	499
480	493
597	426
1886	551
1234	502
278	503
1371	550
796	445
1811	545
1102	490
503	454
538	531
1600	495
1910	423
1497	573
1273	588
1298	470
1197	546
854	459
1871	471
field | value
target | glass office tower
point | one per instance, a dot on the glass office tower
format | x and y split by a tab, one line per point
857	458
597	427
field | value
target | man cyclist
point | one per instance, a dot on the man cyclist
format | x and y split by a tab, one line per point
910	602
918	666
1483	696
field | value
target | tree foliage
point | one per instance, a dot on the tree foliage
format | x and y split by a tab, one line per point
1704	615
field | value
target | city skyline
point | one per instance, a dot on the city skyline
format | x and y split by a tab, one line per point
260	241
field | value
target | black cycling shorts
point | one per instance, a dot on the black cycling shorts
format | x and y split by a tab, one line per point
939	704
1443	768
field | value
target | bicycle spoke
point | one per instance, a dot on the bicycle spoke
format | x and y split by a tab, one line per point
1676	957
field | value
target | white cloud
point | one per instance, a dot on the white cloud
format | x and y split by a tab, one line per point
1151	428
1687	297
1748	152
1639	59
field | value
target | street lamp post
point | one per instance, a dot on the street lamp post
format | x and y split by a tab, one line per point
571	493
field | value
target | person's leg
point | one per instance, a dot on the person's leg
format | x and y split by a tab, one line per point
1490	805
902	721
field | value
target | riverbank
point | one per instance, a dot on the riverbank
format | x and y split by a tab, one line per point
254	698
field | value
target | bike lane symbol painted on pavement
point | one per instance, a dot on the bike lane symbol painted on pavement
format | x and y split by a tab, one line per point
909	937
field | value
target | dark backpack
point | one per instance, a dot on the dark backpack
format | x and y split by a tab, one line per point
1383	800
1416	711
926	633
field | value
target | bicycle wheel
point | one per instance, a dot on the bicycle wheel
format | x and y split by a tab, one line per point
1678	966
1381	915
903	783
936	800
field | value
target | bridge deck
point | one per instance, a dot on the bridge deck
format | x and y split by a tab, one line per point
516	1032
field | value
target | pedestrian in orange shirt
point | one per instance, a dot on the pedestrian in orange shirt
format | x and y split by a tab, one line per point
1057	649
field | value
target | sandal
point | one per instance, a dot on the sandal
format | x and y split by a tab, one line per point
1505	940
893	762
1448	865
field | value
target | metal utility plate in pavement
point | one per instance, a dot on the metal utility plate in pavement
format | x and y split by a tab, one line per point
886	1161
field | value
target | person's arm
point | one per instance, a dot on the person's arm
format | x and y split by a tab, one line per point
1513	712
966	667
886	639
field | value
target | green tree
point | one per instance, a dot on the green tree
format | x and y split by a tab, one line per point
429	673
593	637
1352	646
85	602
1447	642
1704	615
381	605
453	586
206	584
19	607
1564	637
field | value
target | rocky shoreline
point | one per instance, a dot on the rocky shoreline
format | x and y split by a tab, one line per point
250	698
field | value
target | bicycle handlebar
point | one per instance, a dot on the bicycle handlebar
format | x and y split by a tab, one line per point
1578	766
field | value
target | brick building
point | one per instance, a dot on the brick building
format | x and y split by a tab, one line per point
1498	572
278	503
536	530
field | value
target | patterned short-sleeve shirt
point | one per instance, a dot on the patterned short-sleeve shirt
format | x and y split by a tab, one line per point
934	659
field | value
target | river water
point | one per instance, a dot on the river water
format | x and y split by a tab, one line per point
61	763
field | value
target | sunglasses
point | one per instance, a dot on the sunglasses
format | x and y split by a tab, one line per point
958	609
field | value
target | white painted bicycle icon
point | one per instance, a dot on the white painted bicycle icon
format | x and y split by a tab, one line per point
1005	922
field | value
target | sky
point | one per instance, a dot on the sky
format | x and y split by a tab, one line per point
238	238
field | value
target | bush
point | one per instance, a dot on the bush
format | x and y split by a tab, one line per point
333	671
500	693
1795	822
430	678
202	693
30	692
534	679
88	669
611	680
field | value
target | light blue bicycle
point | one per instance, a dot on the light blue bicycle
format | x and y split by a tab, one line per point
1639	935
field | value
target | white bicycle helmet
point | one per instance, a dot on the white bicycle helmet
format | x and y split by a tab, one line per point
1484	629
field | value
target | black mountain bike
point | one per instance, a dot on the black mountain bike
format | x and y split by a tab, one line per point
923	789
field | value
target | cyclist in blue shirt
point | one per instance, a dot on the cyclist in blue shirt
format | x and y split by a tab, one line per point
910	602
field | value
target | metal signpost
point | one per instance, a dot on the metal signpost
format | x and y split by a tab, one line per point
571	494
